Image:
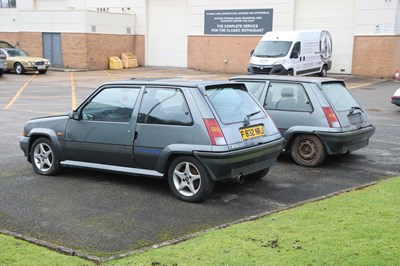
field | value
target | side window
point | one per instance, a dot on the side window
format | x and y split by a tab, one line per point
255	88
296	50
288	97
164	106
8	4
111	105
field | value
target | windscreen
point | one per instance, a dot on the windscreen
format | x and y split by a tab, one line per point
339	96
272	48
233	104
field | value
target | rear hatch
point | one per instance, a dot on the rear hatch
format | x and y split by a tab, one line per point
349	112
242	120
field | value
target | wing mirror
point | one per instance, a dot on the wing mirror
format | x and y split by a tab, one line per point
74	115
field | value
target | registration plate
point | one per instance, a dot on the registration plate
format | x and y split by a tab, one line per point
252	132
41	67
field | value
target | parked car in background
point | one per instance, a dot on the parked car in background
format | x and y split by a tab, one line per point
396	97
316	116
3	63
4	44
19	62
191	133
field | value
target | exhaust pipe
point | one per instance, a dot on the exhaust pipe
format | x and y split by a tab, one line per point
240	179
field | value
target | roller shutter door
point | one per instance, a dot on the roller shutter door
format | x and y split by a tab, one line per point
337	17
167	32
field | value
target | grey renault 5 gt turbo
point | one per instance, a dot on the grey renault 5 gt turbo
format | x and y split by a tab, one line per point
192	133
316	116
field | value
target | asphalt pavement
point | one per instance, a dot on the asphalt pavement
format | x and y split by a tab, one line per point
105	214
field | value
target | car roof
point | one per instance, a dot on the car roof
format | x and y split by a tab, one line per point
9	49
303	79
172	82
4	44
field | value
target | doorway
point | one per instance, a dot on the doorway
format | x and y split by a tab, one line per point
52	48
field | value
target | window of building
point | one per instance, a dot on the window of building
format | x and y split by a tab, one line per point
8	3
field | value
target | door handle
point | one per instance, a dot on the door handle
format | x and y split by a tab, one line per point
136	135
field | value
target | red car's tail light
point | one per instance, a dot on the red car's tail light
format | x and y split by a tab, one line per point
331	117
214	132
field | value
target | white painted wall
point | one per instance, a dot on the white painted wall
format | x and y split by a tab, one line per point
338	18
282	12
377	17
65	21
9	20
166	38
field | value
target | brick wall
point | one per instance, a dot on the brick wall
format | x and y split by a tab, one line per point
79	50
73	50
102	46
31	42
376	56
140	49
228	54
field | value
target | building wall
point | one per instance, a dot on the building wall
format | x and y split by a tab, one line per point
375	24
229	53
220	53
31	42
376	56
374	17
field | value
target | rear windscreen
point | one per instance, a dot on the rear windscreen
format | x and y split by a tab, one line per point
339	96
233	104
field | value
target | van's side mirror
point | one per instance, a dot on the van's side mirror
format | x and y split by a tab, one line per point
251	52
295	55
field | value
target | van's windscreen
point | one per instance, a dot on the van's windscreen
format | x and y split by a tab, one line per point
272	48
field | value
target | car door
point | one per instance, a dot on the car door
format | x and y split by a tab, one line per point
103	130
289	105
164	119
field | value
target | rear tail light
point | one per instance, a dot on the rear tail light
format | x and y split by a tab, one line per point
331	117
214	132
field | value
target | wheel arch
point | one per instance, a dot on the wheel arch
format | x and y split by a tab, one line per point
291	135
171	152
50	135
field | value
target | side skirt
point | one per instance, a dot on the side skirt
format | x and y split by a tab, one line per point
111	168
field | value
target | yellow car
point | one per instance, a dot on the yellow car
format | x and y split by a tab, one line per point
20	62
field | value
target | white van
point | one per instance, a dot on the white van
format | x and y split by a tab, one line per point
292	53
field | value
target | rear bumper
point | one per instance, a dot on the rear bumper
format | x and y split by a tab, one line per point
230	165
341	143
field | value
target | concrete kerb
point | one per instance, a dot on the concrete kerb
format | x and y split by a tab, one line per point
60	69
71	252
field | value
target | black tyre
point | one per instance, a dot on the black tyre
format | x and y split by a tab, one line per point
257	175
43	158
43	71
19	68
308	150
323	72
1	72
188	180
